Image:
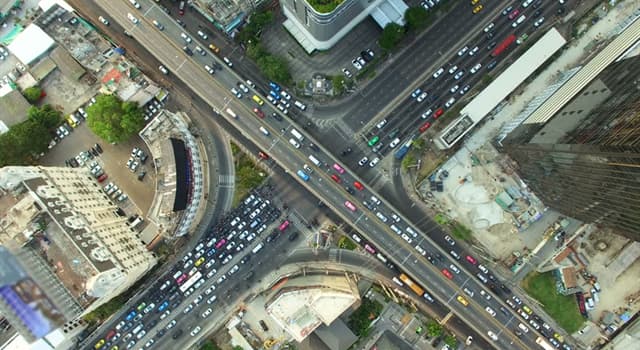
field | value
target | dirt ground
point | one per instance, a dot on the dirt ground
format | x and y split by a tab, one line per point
65	94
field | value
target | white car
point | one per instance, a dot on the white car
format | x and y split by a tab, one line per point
416	93
132	18
474	51
227	61
538	22
475	68
438	73
202	35
285	95
356	64
454	89
394	143
492	335
453	69
236	92
458	75
195	331
103	20
185	37
163	69
135	4
208	69
427	113
206	313
243	88
450	102
422	96
490	311
454	268
406	238
488	28
526	3
346	73
463	51
374	162
363	161
485	294
449	240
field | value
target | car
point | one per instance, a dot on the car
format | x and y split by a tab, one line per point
202	35
447	273
187	50
426	114
462	300
450	102
424	127
517	300
346	73
492	335
454	268
358	185
514	14
206	313
471	260
374	162
438	113
209	69
132	18
361	60
507	10
490	311
473	2
485	294
356	64
186	38
438	73
454	254
381	125
538	22
526	3
336	178
488	28
523	314
459	74
363	161
518	21
236	93
477	9
463	50
465	89
454	89
475	68
227	62
258	112
527	309
158	25
453	69
103	20
474	51
416	93
195	331
422	96
449	240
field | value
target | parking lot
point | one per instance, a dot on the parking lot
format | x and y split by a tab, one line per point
114	162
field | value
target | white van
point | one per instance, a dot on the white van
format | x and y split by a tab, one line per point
294	143
257	248
297	135
137	329
300	105
264	131
314	160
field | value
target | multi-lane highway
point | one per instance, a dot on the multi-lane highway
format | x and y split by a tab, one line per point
167	46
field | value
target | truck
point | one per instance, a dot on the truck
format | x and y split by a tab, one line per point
409	283
402	151
544	344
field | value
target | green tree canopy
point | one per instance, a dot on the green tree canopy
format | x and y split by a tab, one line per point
45	115
32	94
451	341
275	68
391	36
251	31
416	17
434	329
114	120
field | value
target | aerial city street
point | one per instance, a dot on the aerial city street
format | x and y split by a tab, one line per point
320	174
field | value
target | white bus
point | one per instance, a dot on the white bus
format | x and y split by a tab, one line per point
297	135
190	282
231	113
544	344
314	160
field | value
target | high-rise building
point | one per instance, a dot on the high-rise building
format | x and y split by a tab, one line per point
66	248
584	160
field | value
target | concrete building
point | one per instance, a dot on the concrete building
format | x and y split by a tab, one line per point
227	15
319	28
584	159
300	305
66	238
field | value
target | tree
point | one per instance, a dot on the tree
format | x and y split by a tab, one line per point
451	341
391	36
32	94
275	68
338	84
255	51
114	120
251	31
416	17
434	329
45	115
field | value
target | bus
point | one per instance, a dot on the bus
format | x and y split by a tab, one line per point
303	175
503	45
231	113
414	287
190	282
544	344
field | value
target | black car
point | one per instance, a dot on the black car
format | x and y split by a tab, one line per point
177	334
141	175
349	189
245	259
187	51
98	148
293	236
277	116
160	333
263	326
347	151
272	236
181	23
314	147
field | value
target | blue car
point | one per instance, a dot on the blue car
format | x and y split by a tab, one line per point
163	306
131	315
274	86
211	252
274	95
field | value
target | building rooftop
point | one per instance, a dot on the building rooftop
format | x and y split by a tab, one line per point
337	336
30	44
13	108
67	64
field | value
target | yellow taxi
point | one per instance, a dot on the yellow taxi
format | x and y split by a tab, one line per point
99	344
473	2
462	300
478	8
214	48
199	261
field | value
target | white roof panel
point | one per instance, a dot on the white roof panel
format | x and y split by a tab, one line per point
30	44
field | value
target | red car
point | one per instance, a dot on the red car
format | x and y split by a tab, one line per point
259	113
425	126
514	14
335	178
263	155
447	274
110	335
471	260
438	113
102	177
358	185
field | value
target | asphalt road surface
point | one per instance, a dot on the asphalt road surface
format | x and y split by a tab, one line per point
167	46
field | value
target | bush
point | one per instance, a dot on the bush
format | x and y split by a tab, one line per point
416	17
32	94
434	329
360	320
346	243
274	68
391	36
325	6
248	174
